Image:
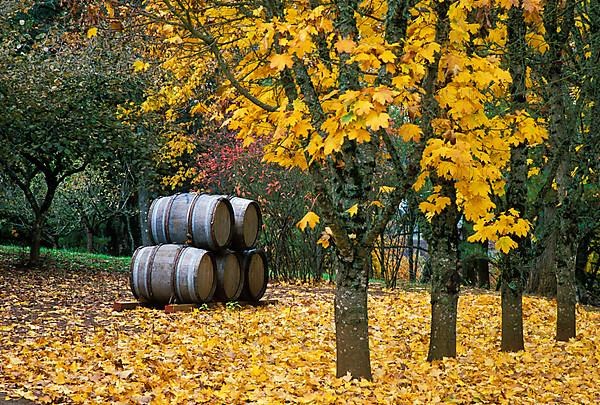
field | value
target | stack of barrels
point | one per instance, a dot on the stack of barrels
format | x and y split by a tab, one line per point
204	250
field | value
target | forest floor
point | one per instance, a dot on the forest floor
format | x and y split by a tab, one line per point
61	342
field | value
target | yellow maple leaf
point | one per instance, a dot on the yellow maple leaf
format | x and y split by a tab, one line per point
420	182
345	45
362	107
410	132
92	32
301	47
521	228
478	187
376	121
387	57
281	61
383	95
310	219
140	66
60	378
315	144
352	210
333	143
359	134
505	244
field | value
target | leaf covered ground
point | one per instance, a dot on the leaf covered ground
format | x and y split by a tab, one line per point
62	343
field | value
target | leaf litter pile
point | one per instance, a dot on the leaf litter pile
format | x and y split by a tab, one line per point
62	343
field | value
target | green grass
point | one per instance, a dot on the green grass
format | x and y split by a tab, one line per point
67	259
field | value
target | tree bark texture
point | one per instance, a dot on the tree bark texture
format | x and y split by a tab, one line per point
89	233
542	279
565	293
512	318
351	320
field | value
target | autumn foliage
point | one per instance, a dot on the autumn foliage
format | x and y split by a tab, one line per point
468	141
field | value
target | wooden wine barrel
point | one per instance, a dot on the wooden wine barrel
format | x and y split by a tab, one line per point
230	277
254	265
201	220
172	274
247	223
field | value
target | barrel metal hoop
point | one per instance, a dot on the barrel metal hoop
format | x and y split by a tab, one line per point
167	217
149	267
213	235
174	274
190	213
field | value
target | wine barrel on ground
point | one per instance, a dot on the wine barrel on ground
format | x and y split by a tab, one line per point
230	277
172	274
247	223
254	265
201	220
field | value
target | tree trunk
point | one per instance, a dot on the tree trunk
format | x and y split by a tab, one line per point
546	265
565	293
514	269
514	263
89	233
417	253
444	304
113	237
412	274
36	241
445	283
559	22
542	279
483	273
468	270
131	246
565	260
512	318
351	320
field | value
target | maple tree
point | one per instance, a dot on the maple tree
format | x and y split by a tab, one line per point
347	91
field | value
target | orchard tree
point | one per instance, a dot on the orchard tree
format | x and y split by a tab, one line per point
58	99
369	99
